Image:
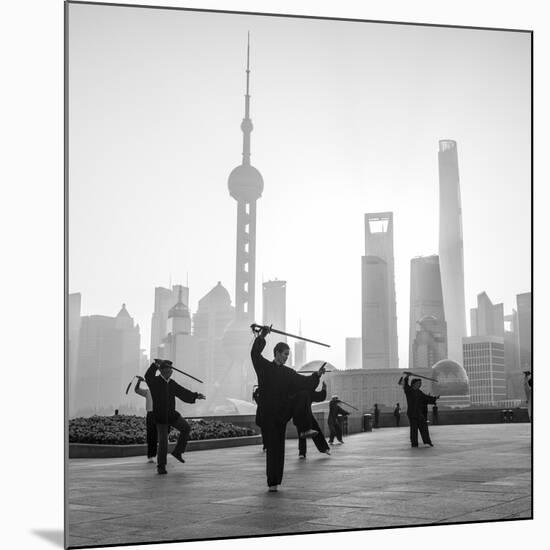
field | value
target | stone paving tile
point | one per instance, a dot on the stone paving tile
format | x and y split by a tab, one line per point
375	480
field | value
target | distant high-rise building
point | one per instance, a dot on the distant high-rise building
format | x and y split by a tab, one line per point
426	300
214	314
429	345
274	309
353	353
484	364
379	319
487	319
451	249
165	298
74	306
514	376
108	358
180	347
524	328
245	186
300	353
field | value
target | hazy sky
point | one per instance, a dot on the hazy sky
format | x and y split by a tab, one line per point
347	118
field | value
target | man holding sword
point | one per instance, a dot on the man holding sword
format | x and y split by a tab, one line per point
164	391
277	384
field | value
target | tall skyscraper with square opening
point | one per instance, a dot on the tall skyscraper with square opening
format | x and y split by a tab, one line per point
426	302
379	318
451	248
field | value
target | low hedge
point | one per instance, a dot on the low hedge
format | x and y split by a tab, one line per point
130	429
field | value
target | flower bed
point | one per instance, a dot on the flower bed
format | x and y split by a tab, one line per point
128	430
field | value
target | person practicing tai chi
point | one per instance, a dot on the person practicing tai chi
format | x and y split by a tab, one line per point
164	391
276	385
319	438
334	425
417	405
150	424
397	414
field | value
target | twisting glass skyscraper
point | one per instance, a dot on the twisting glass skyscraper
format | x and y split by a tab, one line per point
451	249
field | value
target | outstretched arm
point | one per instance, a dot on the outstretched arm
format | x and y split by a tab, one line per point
184	394
138	390
258	360
319	396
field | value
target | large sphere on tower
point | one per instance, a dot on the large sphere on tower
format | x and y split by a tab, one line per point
245	183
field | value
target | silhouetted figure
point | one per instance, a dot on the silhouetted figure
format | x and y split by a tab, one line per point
150	424
164	391
397	414
116	412
376	416
276	384
255	397
417	402
435	414
334	425
319	438
528	388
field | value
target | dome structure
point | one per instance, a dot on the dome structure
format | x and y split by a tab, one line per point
452	383
315	366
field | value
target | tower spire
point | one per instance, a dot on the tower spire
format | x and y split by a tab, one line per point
246	124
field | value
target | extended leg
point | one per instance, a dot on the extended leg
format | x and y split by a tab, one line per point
183	426
151	435
413	422
162	431
319	439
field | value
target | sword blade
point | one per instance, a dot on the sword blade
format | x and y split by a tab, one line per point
299	337
188	375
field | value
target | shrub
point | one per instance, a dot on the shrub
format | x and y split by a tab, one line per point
127	430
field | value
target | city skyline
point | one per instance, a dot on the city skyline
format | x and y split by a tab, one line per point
344	166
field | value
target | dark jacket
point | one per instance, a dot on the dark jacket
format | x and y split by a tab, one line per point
334	410
276	384
417	401
164	396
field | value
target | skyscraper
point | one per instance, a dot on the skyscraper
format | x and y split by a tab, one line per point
165	298
274	309
379	319
487	319
426	300
108	357
524	329
245	186
214	314
484	364
353	353
75	301
451	250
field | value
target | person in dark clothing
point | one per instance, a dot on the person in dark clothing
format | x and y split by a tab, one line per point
335	411
255	397
164	391
417	402
397	414
150	424
277	383
319	438
376	416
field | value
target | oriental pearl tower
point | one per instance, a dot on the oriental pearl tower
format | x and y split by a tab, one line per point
245	186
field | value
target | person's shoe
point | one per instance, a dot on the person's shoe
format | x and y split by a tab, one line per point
301	456
413	445
341	441
327	452
331	442
161	470
178	457
430	444
308	433
273	488
151	460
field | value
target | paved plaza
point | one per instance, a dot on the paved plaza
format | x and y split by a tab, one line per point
474	473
